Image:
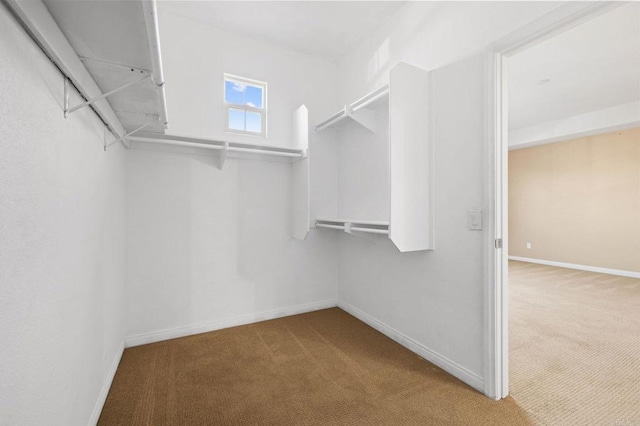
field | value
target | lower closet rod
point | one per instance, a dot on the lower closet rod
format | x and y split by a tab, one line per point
370	230
322	225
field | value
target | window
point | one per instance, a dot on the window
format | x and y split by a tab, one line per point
245	106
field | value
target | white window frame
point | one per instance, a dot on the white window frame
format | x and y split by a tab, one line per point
245	108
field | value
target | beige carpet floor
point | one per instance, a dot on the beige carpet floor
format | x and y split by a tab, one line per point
321	368
575	360
574	345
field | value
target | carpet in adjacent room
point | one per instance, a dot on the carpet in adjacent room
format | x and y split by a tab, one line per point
574	345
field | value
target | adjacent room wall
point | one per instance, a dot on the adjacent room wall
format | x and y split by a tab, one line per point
210	248
62	244
578	201
434	301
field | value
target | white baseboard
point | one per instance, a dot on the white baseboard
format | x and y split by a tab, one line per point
598	269
102	398
173	333
446	364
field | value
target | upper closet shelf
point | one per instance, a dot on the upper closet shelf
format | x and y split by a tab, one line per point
219	145
111	56
360	111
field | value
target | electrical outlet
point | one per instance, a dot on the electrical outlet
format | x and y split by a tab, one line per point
528	245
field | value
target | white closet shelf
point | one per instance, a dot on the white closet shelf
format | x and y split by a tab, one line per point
91	58
360	111
348	225
225	146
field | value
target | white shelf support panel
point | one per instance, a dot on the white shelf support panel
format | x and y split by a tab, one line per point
411	162
366	118
334	120
301	198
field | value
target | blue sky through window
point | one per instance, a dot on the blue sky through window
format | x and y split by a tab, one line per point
253	96
233	93
254	122
236	119
242	94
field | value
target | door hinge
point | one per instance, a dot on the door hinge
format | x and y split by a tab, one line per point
498	243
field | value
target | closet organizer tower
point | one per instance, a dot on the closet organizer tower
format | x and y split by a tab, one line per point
385	162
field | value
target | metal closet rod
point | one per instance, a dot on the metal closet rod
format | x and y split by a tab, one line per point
213	144
370	98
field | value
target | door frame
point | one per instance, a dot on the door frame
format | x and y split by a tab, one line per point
496	339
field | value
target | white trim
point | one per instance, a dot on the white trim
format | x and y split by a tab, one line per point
598	269
493	297
441	361
102	398
189	330
496	307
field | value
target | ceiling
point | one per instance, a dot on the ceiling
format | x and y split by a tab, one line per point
592	66
327	29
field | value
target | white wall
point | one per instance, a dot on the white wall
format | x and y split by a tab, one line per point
62	264
434	299
363	170
208	247
430	35
195	58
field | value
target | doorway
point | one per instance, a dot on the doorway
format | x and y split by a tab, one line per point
529	135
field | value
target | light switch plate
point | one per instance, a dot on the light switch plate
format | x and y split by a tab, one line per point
475	219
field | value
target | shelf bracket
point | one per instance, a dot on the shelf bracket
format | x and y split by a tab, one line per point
365	117
303	155
223	155
68	110
124	137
